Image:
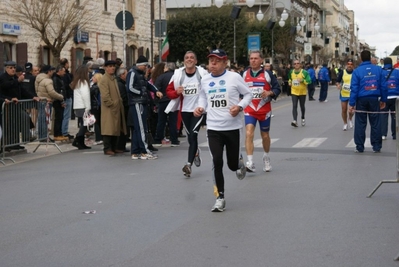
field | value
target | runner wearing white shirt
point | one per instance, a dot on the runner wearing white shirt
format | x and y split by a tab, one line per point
183	89
220	98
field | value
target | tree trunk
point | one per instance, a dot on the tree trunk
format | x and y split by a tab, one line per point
56	57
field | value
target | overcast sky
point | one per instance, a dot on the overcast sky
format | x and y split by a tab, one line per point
378	23
377	20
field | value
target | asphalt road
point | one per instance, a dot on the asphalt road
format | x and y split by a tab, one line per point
311	210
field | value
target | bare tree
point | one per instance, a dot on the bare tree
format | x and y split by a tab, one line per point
55	21
325	55
283	44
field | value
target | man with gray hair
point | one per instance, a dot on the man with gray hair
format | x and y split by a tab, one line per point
162	83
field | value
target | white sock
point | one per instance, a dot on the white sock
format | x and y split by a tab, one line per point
250	157
266	154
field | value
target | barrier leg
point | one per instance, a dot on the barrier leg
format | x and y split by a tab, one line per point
383	182
44	124
397	155
48	143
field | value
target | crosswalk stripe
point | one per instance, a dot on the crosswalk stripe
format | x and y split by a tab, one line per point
306	142
257	142
204	144
310	142
366	143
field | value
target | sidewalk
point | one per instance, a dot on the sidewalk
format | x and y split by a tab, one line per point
43	150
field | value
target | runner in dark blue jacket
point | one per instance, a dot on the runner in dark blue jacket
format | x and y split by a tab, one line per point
312	85
324	79
391	84
369	96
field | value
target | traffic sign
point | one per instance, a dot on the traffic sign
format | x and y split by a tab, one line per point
307	48
129	20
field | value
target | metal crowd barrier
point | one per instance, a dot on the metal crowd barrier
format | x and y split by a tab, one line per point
23	122
397	160
397	157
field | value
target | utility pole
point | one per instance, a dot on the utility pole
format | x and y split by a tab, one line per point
124	31
160	32
152	30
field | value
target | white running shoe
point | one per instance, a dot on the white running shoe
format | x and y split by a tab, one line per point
197	158
242	171
294	124
187	170
303	122
267	167
350	124
345	127
219	206
250	167
148	156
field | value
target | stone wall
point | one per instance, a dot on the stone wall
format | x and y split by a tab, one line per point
104	36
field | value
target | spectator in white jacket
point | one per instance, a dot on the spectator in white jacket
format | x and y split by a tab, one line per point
81	102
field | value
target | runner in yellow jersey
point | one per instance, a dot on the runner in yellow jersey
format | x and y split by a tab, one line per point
298	79
343	84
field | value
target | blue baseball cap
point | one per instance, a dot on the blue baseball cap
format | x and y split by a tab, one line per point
219	53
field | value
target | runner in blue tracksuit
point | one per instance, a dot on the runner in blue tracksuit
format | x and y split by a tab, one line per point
312	85
392	86
368	95
324	79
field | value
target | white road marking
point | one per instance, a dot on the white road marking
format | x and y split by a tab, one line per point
310	142
366	143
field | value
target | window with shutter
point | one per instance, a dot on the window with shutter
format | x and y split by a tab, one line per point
22	54
87	52
113	55
131	7
250	15
106	55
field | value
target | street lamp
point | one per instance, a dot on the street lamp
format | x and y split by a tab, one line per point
281	22
283	18
250	3
316	27
260	15
302	22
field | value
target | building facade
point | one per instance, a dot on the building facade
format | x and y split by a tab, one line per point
322	31
100	38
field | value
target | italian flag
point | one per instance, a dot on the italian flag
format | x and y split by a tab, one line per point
165	49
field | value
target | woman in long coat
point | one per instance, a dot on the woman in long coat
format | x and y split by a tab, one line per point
112	112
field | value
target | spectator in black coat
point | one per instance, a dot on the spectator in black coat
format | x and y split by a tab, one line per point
121	74
162	83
